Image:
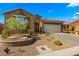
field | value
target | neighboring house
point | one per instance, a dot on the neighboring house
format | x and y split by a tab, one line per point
37	24
1	27
71	26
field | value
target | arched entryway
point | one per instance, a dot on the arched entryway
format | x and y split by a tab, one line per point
36	27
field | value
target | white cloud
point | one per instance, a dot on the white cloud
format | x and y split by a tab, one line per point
50	11
73	5
77	13
75	17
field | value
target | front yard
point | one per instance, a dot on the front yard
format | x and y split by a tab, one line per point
42	40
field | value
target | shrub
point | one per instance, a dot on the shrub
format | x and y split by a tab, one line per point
52	37
47	34
5	33
57	42
73	32
77	32
30	31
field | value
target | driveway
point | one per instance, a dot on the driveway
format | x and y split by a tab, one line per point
67	38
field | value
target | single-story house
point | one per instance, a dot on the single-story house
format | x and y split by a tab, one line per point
1	27
37	24
71	26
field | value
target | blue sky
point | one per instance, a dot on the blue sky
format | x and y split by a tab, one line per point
60	11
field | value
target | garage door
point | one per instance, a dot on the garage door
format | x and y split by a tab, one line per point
52	28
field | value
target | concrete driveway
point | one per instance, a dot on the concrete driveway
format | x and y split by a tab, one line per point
67	38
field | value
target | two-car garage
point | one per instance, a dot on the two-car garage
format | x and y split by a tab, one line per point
52	26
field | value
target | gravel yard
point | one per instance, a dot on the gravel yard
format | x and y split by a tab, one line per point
31	50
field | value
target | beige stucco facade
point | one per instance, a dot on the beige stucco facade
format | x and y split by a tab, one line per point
72	27
75	26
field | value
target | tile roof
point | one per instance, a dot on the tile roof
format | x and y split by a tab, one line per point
51	21
68	23
16	10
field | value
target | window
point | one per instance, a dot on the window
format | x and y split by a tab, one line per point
21	20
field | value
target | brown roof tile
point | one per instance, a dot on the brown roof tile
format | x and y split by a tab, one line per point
16	10
51	21
68	23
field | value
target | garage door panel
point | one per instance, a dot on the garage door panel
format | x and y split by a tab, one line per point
52	28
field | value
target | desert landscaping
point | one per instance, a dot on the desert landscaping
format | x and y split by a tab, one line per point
47	40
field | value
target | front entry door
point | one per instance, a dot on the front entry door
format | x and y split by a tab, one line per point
36	27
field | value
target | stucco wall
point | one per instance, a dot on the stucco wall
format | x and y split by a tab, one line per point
76	26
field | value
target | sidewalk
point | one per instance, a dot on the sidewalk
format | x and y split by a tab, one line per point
65	52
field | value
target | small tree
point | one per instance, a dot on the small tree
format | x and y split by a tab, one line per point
12	24
5	33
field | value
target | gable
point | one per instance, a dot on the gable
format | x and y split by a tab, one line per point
18	12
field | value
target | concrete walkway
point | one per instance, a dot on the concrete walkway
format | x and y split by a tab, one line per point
65	52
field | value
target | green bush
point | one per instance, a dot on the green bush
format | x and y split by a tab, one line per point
47	34
0	32
30	31
5	33
52	37
73	32
77	32
57	42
